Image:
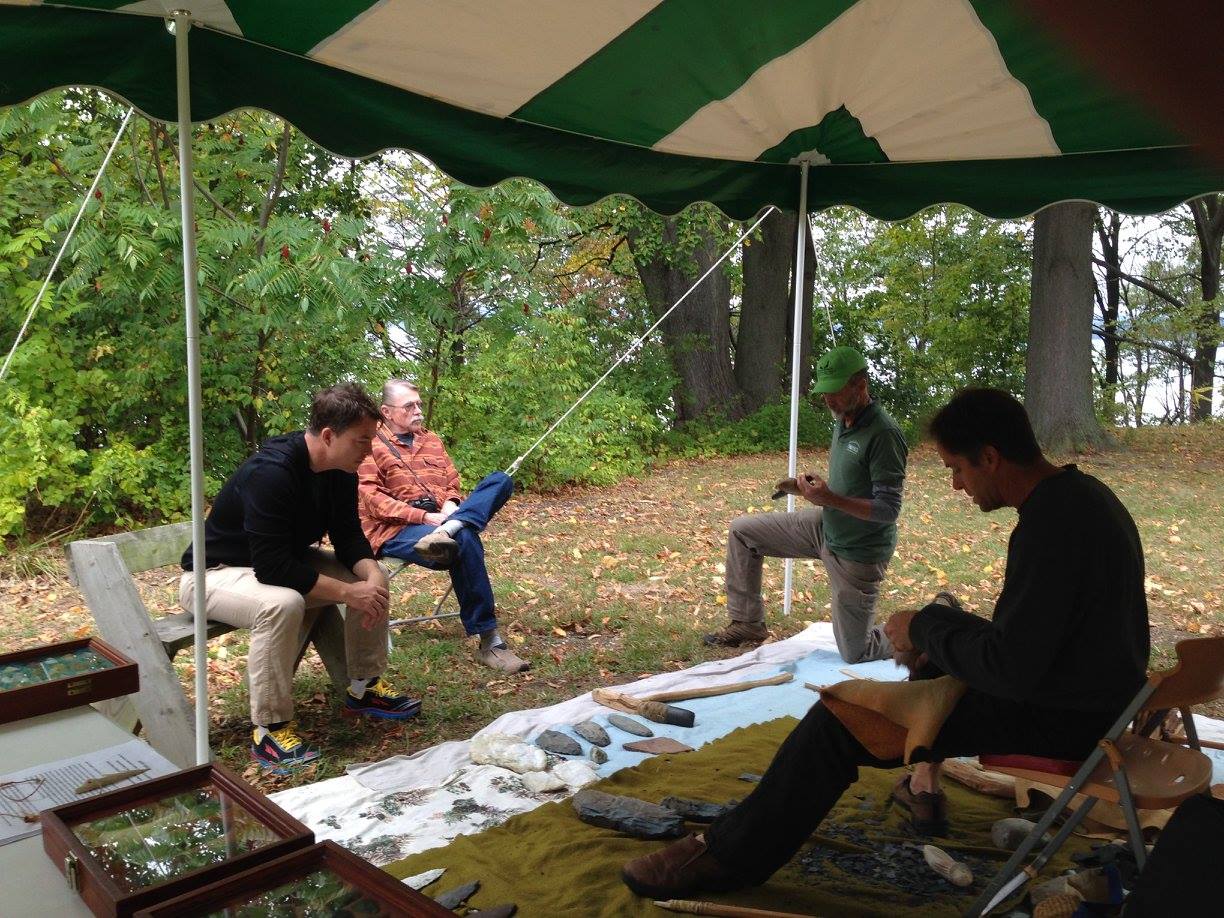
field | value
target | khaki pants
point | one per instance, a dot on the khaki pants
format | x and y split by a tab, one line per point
279	620
854	585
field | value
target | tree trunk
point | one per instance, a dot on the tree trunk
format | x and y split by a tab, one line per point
1109	235
1208	214
697	334
809	290
1058	382
761	351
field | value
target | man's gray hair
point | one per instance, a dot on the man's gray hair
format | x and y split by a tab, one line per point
391	386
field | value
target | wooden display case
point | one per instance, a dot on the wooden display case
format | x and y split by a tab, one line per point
140	845
321	880
58	676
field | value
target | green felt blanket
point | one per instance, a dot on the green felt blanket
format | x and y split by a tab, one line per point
550	863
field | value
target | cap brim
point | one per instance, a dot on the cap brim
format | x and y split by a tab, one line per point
829	384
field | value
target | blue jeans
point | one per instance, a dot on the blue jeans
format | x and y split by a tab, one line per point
468	574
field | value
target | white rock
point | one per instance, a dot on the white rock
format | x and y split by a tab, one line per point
576	774
539	782
507	751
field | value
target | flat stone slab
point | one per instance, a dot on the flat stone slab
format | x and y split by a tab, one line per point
558	743
629	725
627	814
593	733
454	898
658	745
696	810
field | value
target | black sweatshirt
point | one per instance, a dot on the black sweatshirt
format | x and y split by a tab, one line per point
274	507
1070	628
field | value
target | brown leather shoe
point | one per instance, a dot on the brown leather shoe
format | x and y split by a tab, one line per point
928	812
503	658
737	634
437	547
683	867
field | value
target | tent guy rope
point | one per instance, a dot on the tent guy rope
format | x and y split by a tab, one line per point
64	245
514	466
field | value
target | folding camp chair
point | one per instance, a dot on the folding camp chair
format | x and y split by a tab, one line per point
1127	769
436	615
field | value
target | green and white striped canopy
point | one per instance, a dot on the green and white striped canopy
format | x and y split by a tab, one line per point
898	104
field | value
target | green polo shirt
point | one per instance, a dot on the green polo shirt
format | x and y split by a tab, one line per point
872	451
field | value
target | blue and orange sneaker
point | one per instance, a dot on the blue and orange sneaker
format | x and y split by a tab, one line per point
282	750
380	700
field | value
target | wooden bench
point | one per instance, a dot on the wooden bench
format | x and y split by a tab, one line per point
102	569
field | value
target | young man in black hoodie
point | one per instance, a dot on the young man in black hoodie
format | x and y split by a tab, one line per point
1047	675
266	573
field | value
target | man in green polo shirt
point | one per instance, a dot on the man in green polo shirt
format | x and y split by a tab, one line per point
852	529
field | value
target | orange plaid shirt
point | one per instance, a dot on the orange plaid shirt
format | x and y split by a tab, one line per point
386	485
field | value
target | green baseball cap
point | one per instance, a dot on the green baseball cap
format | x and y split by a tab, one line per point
835	368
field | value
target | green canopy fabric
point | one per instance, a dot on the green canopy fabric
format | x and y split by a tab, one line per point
898	104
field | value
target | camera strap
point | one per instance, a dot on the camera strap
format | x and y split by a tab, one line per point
400	459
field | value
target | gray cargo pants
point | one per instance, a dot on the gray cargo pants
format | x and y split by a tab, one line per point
854	585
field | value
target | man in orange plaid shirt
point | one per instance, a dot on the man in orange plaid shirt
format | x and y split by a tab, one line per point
411	508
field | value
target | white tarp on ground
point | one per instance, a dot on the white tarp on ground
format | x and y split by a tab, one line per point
388	810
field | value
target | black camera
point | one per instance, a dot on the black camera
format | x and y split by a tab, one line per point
426	503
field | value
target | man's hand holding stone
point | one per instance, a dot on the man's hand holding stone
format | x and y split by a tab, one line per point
814	489
897	630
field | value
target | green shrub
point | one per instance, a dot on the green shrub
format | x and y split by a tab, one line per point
767	430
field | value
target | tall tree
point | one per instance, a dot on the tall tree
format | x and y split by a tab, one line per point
1058	381
761	351
1208	213
697	334
1109	232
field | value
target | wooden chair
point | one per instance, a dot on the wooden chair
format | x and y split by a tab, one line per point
102	569
1127	769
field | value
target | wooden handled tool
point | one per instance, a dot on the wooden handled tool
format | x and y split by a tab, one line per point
654	707
725	689
652	710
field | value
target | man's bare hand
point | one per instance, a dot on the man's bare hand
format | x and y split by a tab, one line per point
435	519
896	629
370	600
814	489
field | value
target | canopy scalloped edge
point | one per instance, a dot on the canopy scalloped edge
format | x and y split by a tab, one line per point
131	58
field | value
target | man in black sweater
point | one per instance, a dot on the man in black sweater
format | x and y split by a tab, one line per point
1065	651
266	572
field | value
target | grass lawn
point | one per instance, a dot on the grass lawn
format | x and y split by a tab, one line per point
603	585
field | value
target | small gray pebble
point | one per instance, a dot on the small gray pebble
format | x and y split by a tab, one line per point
598	756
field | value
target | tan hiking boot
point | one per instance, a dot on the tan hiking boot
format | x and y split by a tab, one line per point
502	658
737	634
437	548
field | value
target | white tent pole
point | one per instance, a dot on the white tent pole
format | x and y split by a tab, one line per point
181	26
792	466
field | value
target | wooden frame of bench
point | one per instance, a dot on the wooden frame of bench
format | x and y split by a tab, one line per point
102	569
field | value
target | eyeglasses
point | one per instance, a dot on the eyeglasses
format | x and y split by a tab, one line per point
410	405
